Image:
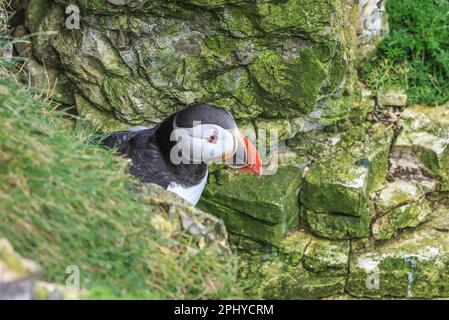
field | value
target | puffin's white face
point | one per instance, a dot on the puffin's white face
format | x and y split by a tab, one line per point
204	143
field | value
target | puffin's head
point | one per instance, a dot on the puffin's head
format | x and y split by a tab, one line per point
207	134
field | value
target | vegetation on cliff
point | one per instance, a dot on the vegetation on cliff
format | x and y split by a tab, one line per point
66	202
415	55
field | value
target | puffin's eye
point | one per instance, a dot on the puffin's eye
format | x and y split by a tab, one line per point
213	138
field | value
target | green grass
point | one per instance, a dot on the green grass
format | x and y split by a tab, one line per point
415	55
66	202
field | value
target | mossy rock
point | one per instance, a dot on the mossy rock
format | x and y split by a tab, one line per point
262	208
412	266
425	133
342	182
327	257
303	267
401	204
397	193
139	61
407	216
337	226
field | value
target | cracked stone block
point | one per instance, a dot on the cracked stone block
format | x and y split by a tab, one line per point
425	133
401	205
277	280
407	216
397	193
327	257
262	208
412	266
245	225
305	267
342	182
338	226
294	245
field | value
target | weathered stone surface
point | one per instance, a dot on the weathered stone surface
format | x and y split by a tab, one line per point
439	219
304	268
277	280
397	193
327	257
372	26
400	204
392	97
262	208
342	182
406	216
338	226
17	274
425	134
206	229
138	61
412	266
267	198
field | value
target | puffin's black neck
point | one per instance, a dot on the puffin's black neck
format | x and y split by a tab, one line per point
188	174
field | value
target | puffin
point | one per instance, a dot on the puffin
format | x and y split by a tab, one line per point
176	153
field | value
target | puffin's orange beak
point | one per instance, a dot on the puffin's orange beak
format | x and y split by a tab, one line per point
251	158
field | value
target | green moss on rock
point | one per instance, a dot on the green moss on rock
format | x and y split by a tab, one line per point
327	257
262	208
397	193
401	205
265	59
338	226
412	266
425	133
305	267
272	199
342	182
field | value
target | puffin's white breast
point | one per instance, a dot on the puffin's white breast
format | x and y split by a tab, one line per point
191	194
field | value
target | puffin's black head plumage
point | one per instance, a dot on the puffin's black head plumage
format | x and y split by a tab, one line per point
205	113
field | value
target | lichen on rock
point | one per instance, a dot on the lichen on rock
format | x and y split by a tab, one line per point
140	61
425	134
263	208
342	182
303	267
412	266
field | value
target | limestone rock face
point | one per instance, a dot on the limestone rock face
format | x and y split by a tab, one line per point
355	205
138	61
305	267
402	205
412	266
336	190
17	274
372	27
342	182
262	208
425	137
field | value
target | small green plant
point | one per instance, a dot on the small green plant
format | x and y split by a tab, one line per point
416	53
